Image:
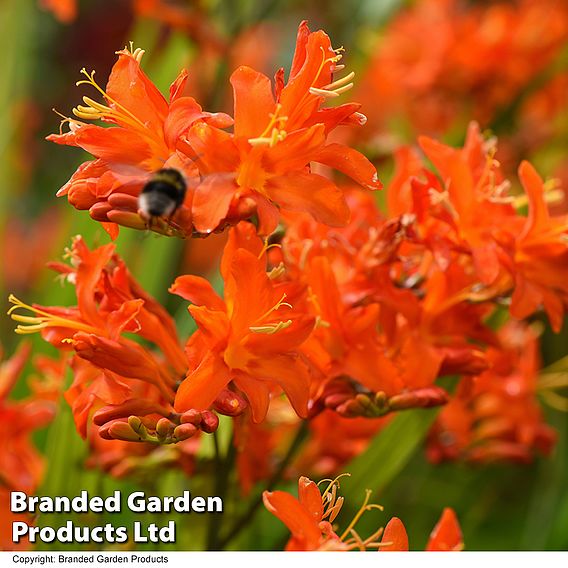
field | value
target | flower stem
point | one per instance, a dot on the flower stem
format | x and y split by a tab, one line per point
223	469
243	521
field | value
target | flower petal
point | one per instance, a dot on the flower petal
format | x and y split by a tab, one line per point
178	86
254	102
129	86
290	373
257	393
447	534
113	144
291	512
200	388
395	535
538	218
211	201
182	114
296	151
310	497
198	291
351	163
311	193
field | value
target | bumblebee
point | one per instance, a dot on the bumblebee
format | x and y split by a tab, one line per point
163	194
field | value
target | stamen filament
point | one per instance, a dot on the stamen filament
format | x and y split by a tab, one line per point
277	271
340	82
270	329
323	92
332	483
42	320
276	306
365	507
91	81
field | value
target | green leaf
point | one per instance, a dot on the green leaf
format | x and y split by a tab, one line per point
388	453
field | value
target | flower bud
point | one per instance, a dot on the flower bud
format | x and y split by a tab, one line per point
334	400
165	428
136	406
191	416
104	431
136	424
420	398
184	432
209	421
230	403
350	409
120	430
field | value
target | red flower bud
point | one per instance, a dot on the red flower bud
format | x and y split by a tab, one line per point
230	403
209	421
184	432
139	407
463	361
420	398
191	416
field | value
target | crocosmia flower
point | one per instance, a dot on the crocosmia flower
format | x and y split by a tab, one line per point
280	130
147	134
249	338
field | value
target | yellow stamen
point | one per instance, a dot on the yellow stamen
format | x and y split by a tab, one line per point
364	508
320	322
331	484
275	120
313	299
271	329
137	53
274	131
276	306
369	542
125	115
323	92
266	247
42	320
326	60
340	82
306	247
277	271
332	505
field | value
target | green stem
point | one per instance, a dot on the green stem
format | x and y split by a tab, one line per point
223	469
243	521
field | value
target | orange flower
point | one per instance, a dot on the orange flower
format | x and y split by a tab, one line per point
510	254
278	132
22	466
250	338
541	256
495	415
440	61
148	135
64	10
109	368
445	536
309	518
390	320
